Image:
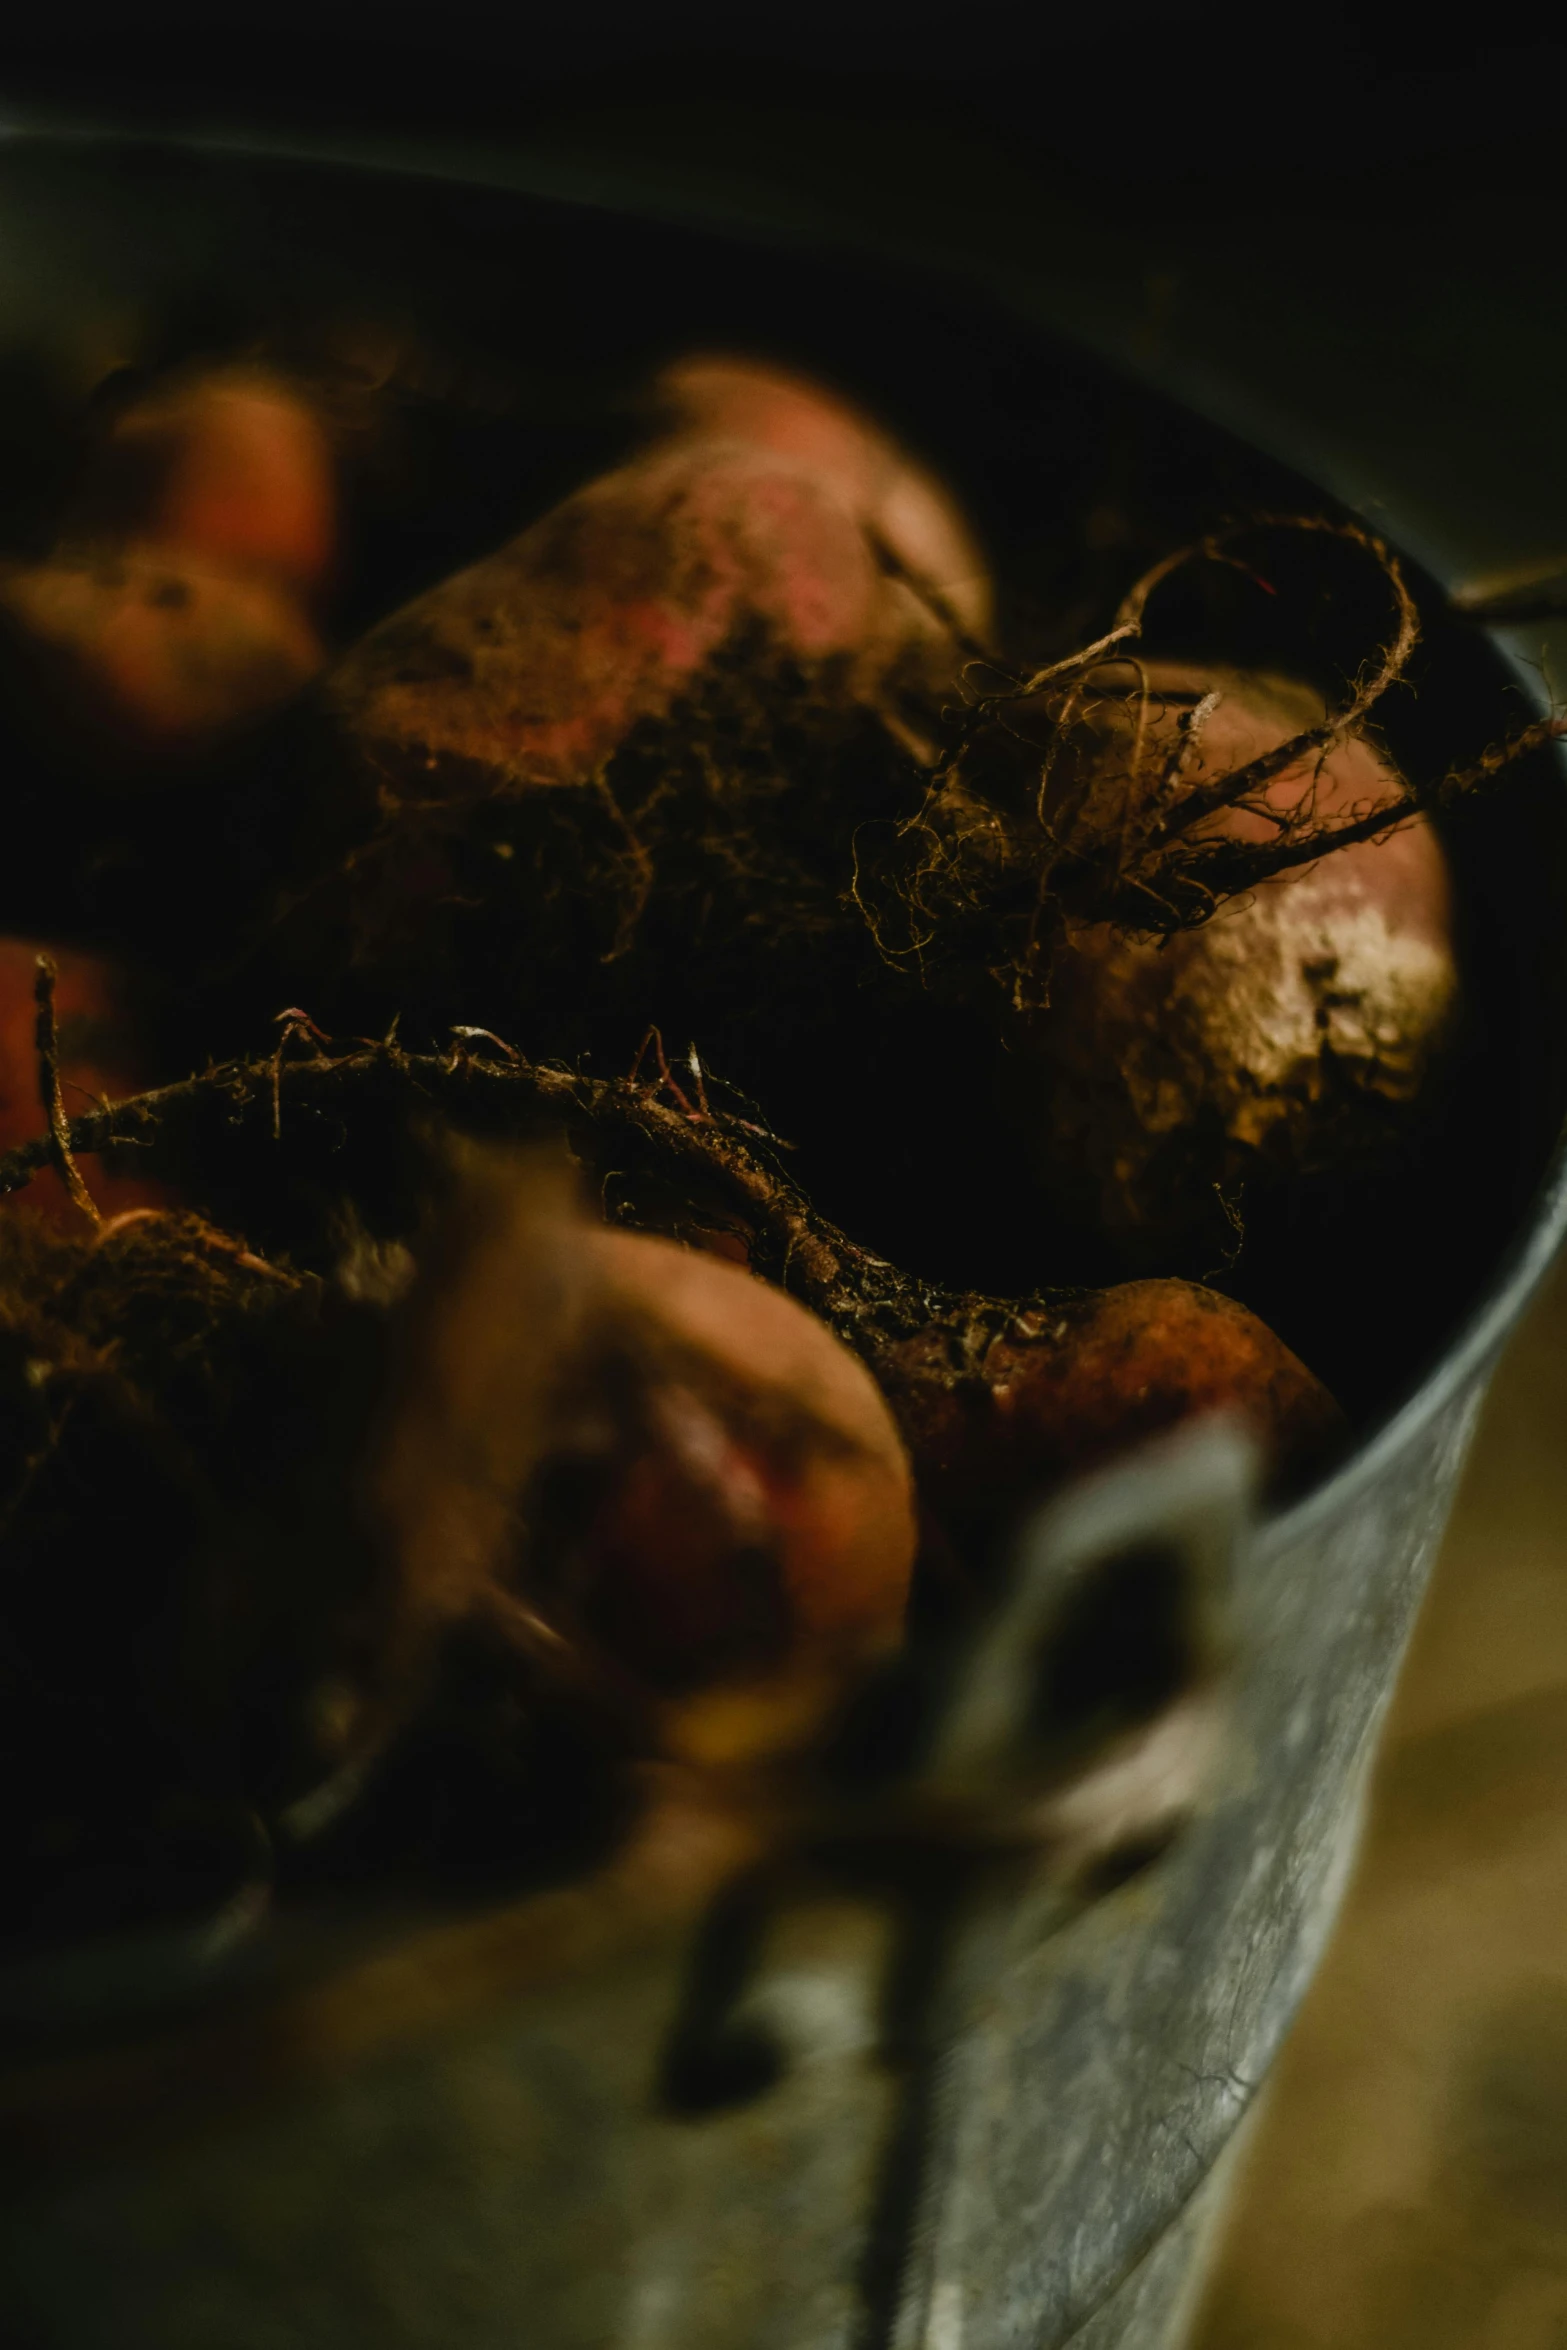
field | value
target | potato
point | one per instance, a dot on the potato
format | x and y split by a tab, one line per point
136	659
714	398
234	467
1058	1389
177	608
766	1520
676	1470
532	666
1298	1029
999	1402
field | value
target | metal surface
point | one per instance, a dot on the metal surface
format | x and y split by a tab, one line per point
460	2142
448	2162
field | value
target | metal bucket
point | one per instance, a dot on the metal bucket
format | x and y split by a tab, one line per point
462	2132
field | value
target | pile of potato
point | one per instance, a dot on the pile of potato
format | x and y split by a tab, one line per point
661	1462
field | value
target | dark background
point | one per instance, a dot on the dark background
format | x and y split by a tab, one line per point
1276	106
1351	213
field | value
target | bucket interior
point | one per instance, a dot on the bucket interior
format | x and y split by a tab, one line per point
514	333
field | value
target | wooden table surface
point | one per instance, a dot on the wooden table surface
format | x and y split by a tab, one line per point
1407	2185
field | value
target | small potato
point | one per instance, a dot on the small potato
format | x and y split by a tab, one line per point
1298	1029
1058	1391
140	656
766	511
234	468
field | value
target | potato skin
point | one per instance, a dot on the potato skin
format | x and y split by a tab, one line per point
178	607
754	1558
712	397
137	659
530	668
762	509
1063	1388
1298	1030
233	466
838	1484
737	1531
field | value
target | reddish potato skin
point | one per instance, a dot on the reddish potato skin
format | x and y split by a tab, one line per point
739	1549
1065	1389
531	667
235	469
1294	1031
99	1058
1406	874
791	1445
142	656
178	607
994	1421
711	397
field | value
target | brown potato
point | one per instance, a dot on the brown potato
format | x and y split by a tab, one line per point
767	506
1060	1389
1297	1029
531	668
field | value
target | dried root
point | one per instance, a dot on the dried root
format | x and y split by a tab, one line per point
765	833
713	839
1076	796
717	1182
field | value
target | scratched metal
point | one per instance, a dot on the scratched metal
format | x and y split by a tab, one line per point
513	2178
1102	2069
